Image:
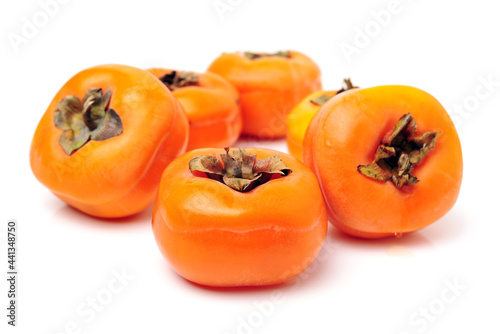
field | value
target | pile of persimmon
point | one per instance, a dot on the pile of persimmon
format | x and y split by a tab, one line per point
378	162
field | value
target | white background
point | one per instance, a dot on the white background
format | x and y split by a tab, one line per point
358	286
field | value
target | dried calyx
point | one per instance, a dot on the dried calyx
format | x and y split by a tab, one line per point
242	171
179	79
88	120
400	151
322	99
253	55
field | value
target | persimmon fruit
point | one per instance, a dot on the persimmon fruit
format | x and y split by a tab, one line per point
211	105
388	160
270	85
105	139
252	218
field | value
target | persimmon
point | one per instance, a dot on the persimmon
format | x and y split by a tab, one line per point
252	218
270	85
105	139
388	160
299	118
210	103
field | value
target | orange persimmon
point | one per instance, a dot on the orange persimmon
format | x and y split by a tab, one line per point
105	139
255	218
299	118
210	103
388	160
270	85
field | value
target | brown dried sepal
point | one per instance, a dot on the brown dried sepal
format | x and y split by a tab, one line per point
400	151
322	99
241	171
253	55
87	120
178	79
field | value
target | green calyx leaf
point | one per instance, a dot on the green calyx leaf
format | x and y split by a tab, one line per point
178	79
87	120
253	55
240	171
400	151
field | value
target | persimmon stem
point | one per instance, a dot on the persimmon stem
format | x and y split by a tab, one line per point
178	79
86	120
241	171
400	151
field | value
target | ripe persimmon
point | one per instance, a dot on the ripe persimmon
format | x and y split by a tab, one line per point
105	139
299	118
388	160
270	85
210	103
255	218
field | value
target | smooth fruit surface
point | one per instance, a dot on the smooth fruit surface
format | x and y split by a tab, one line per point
298	120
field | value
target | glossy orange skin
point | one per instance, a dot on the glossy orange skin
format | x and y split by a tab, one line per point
212	110
269	88
298	120
119	176
346	132
216	236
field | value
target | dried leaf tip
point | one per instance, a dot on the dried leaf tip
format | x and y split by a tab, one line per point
240	171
